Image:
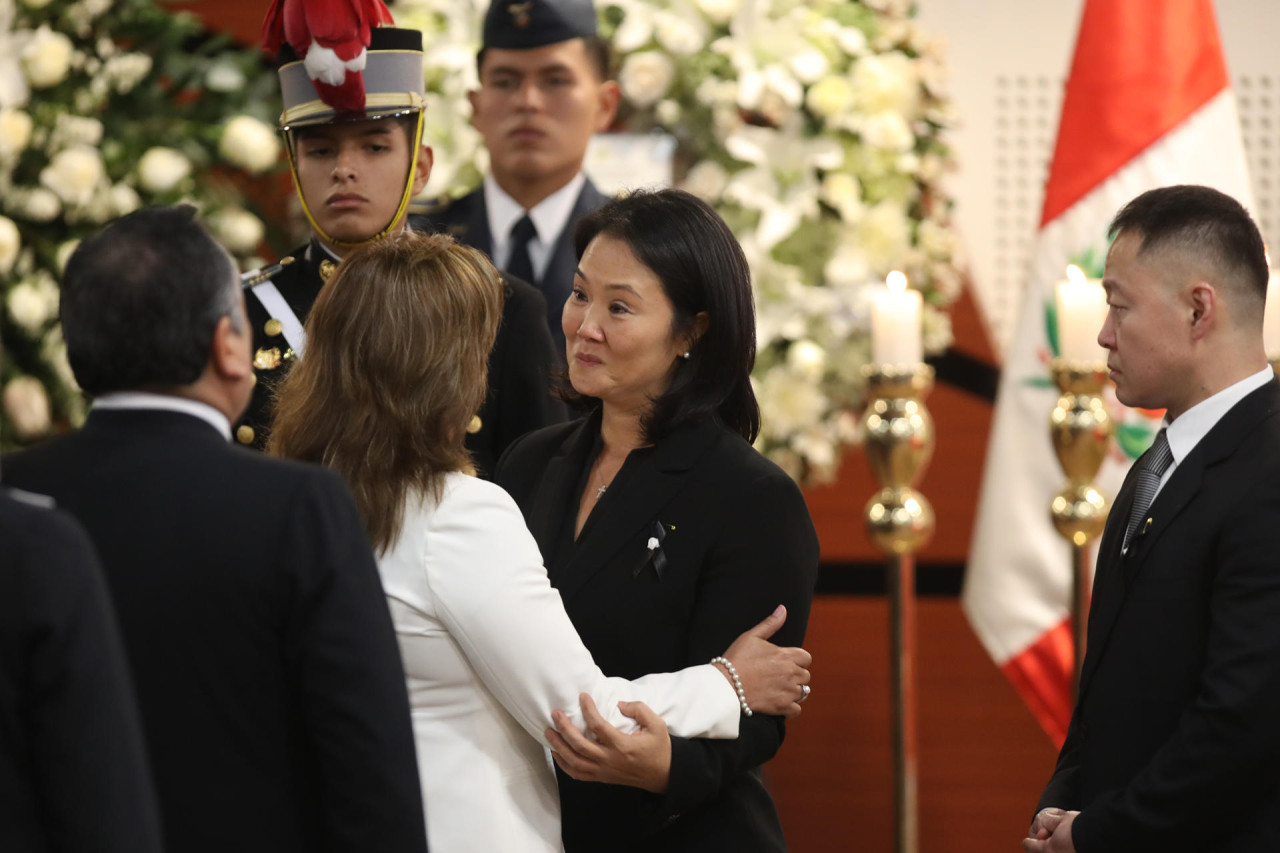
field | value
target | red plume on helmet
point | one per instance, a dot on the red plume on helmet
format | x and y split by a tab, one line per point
330	36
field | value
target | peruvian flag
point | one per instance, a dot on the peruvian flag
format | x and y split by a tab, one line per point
1148	103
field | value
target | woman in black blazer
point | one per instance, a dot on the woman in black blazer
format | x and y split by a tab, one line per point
666	533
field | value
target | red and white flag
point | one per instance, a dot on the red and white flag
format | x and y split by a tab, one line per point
1148	103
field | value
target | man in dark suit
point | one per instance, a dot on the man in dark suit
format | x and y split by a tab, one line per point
272	695
73	770
354	173
1174	743
545	90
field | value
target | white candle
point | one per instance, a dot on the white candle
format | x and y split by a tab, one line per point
1082	309
1271	319
895	324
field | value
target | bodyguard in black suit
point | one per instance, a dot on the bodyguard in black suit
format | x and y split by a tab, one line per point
355	173
1174	743
545	90
272	695
665	532
73	769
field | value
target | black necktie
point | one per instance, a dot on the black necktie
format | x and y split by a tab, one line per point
518	263
1150	469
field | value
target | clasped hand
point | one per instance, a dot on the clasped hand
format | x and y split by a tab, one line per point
1050	832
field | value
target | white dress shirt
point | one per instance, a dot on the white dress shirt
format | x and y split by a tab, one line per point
489	653
550	217
165	402
1194	424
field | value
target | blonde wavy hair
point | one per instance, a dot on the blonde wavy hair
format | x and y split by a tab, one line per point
396	365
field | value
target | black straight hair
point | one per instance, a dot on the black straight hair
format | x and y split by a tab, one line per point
141	300
702	269
1203	221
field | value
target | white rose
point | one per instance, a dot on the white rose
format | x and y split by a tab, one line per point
884	233
224	77
161	169
852	40
842	191
888	131
680	35
847	267
635	30
46	58
65	251
249	144
707	180
71	130
645	77
807	360
787	405
887	81
237	229
123	199
15	133
33	303
124	71
719	11
937	242
27	405
10	244
809	65
74	173
38	204
830	96
668	112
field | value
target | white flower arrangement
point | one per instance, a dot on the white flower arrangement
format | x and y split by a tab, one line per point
82	109
816	128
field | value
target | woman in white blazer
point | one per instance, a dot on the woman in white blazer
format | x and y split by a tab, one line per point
398	342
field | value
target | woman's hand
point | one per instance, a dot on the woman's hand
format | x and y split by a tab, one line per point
773	677
641	759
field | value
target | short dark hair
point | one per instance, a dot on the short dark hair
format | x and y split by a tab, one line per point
141	299
1203	222
599	54
407	122
702	268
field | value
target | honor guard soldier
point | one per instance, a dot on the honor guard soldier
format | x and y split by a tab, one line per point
545	90
357	159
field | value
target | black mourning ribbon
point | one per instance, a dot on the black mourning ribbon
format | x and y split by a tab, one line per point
655	556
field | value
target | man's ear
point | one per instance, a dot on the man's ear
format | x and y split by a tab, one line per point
422	172
1203	301
229	358
473	98
608	95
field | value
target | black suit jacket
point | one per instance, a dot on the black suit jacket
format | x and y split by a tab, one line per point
735	541
467	220
73	769
266	666
1175	739
518	401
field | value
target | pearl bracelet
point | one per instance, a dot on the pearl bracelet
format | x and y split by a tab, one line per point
737	682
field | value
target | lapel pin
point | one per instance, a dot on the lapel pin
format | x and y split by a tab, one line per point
1147	525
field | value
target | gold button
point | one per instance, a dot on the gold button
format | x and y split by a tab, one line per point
244	434
267	359
289	355
273	327
253	379
326	269
474	426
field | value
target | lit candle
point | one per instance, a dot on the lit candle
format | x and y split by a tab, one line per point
895	324
1271	318
1082	309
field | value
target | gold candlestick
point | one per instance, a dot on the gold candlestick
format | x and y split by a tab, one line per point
1080	428
899	442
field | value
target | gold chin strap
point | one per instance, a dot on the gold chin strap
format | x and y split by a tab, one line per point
405	197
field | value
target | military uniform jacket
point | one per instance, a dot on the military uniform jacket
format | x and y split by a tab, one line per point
519	399
697	539
268	676
467	221
1174	744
